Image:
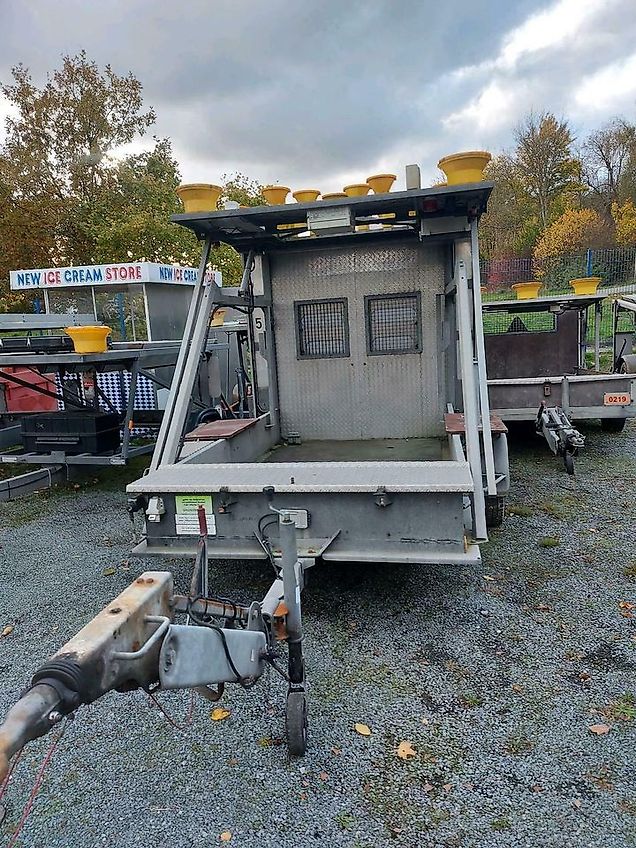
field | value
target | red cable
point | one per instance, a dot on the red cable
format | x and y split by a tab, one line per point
188	720
36	786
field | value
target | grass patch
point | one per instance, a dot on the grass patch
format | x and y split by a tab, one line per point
622	709
345	821
519	743
630	570
438	815
549	542
502	823
520	510
470	699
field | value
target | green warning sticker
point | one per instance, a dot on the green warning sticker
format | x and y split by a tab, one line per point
187	514
189	504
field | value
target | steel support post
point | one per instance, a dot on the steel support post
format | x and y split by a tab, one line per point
598	312
186	368
130	408
270	342
480	352
291	577
469	395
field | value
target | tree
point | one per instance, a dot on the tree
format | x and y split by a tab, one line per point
624	216
544	163
510	227
573	232
609	163
136	222
55	161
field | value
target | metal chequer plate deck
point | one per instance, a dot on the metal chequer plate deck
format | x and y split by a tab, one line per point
289	477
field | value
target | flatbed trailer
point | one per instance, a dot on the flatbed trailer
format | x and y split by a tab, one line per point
369	438
537	353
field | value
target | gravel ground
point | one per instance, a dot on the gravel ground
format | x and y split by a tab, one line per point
493	675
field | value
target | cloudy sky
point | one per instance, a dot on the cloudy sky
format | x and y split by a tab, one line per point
317	93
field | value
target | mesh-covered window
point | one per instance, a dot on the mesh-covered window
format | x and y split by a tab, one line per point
499	323
393	323
322	328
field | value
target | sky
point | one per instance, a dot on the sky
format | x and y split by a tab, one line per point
320	93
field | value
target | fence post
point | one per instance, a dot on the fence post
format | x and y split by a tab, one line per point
588	263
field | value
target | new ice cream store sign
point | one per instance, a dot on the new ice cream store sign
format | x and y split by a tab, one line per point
104	275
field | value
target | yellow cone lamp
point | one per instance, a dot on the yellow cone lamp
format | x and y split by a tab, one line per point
275	195
466	167
199	197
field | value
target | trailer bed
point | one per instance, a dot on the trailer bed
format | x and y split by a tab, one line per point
360	450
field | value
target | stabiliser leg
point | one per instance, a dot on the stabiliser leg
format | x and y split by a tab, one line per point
291	571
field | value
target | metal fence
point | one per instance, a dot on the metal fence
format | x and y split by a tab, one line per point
616	266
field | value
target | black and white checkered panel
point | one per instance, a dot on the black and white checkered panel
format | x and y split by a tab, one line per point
116	385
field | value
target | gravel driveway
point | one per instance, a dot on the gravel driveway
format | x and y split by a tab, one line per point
493	676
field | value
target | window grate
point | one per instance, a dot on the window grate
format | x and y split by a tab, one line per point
393	323
500	323
322	328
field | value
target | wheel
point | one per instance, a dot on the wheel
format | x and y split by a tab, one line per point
494	510
613	425
296	722
568	461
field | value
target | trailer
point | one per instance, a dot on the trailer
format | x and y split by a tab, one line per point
542	368
369	438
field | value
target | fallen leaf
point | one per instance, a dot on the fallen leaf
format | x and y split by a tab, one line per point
323	775
225	836
428	787
448	787
425	720
517	688
336	751
233	761
488	577
543	607
303	796
108	572
219	714
405	751
6	631
363	729
599	729
626	605
576	803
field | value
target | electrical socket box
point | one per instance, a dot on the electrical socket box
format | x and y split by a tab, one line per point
332	219
301	518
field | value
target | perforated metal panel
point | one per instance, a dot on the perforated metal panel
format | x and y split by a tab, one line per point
359	396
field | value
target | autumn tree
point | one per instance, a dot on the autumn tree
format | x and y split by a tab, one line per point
135	224
545	165
609	163
624	216
55	162
572	233
511	226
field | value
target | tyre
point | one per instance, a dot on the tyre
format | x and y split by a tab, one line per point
494	510
613	425
296	723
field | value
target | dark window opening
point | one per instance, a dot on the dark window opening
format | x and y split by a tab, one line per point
322	328
393	323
